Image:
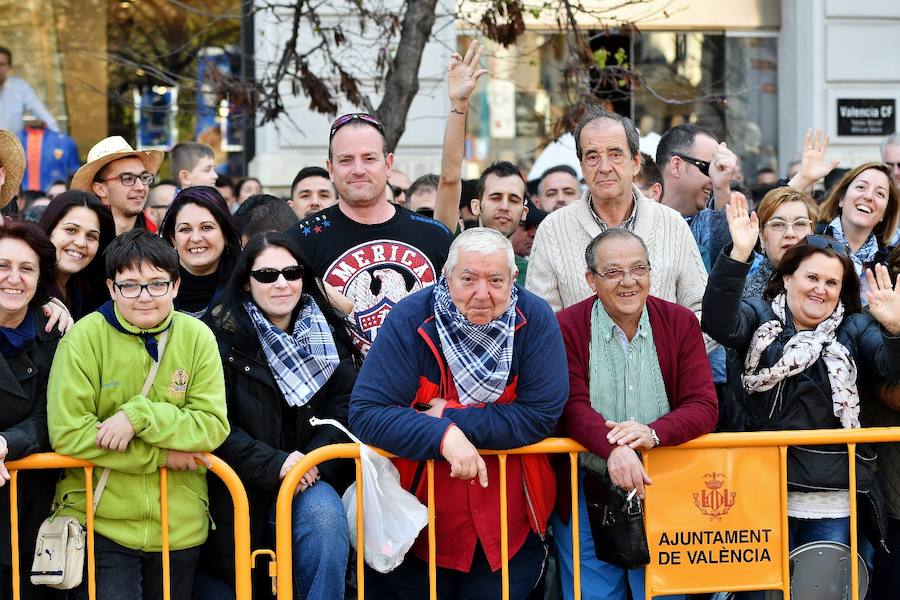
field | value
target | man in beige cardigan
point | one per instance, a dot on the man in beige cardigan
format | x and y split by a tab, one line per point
607	146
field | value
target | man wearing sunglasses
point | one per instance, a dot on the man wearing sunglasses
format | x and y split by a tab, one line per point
121	177
374	252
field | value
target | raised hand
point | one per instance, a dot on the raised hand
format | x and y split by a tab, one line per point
743	227
722	167
813	165
463	73
884	300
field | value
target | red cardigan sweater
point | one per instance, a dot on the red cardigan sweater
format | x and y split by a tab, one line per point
685	372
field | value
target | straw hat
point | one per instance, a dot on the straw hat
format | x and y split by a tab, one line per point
12	159
107	150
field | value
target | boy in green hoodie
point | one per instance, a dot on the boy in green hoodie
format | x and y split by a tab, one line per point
95	411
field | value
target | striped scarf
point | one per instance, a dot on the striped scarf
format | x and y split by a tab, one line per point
301	362
479	356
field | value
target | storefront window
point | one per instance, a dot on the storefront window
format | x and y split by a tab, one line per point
724	82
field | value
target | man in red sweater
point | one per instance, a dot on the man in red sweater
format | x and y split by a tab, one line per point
638	378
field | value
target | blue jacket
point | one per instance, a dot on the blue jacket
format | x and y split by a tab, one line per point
406	365
59	158
402	360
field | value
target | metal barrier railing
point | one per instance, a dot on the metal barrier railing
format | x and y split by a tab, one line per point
57	461
283	546
781	440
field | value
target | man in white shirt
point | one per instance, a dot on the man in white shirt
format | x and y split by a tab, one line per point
17	97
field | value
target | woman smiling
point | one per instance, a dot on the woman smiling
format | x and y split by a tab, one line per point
26	353
862	212
80	228
200	228
809	356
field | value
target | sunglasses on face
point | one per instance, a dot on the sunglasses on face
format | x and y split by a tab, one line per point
823	242
364	117
700	164
292	273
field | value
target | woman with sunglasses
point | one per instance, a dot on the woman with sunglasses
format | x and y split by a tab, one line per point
200	228
80	227
808	355
287	358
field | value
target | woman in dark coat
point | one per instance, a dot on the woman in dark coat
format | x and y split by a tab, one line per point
27	259
808	355
287	357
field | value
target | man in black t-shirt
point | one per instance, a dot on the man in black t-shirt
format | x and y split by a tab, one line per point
372	251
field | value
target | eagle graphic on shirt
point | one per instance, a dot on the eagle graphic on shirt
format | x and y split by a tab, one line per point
375	276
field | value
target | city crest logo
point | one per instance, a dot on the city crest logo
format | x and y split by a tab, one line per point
715	500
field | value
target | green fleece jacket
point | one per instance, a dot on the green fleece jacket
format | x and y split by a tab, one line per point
98	371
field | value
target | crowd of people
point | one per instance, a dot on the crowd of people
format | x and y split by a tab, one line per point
630	304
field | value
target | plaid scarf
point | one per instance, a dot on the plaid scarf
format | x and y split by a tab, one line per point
302	362
802	350
865	254
479	356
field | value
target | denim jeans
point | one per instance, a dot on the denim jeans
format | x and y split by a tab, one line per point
599	580
126	574
321	543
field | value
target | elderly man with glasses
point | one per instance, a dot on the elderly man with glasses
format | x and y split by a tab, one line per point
372	251
638	378
120	176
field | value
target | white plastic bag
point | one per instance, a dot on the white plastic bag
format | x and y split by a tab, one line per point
393	517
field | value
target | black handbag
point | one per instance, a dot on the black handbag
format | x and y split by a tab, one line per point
617	522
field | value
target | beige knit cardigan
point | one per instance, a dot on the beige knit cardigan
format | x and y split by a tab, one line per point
556	267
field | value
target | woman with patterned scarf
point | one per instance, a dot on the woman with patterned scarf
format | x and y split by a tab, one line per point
786	216
863	212
808	353
287	358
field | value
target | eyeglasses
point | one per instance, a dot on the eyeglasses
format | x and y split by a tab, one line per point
614	275
700	164
893	165
134	290
129	179
823	242
797	225
364	117
292	273
397	190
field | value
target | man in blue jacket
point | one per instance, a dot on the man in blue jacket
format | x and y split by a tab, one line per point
473	362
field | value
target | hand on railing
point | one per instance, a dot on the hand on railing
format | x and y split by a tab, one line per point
465	462
637	435
115	432
309	478
4	473
187	461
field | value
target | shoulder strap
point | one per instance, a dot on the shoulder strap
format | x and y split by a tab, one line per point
101	485
154	368
161	346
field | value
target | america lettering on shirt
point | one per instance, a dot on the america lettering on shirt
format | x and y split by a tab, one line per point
375	276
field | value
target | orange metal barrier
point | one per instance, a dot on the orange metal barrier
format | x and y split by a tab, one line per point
781	440
57	461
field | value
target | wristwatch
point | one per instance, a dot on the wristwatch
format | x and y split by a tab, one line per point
654	437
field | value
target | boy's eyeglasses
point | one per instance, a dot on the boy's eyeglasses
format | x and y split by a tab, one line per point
133	290
292	273
364	117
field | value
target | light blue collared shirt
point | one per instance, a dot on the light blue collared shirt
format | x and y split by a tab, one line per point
17	97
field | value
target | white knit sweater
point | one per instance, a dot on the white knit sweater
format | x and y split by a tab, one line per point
556	267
